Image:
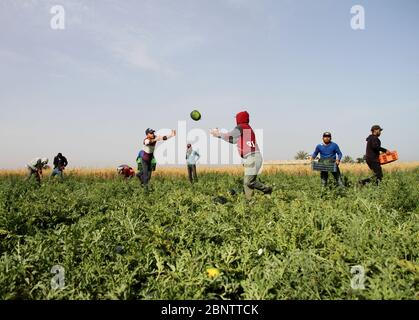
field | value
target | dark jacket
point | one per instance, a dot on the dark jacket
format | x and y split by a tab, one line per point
373	148
60	162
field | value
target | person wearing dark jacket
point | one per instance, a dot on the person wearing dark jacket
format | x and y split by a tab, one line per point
372	154
60	162
245	138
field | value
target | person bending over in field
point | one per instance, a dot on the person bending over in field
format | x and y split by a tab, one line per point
60	163
35	168
192	157
329	153
372	154
125	171
147	154
244	136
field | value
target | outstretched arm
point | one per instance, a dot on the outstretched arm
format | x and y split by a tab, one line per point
164	138
230	137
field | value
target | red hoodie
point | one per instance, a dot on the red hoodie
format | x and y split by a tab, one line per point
246	139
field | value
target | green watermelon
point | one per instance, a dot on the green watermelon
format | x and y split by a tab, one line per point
196	115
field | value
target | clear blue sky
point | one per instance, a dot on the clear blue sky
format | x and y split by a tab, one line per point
91	90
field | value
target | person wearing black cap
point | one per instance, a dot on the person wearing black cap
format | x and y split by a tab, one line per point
329	152
147	154
372	154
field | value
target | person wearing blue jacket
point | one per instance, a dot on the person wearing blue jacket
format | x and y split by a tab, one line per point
329	152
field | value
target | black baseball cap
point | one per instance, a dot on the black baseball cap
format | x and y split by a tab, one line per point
376	127
149	130
327	134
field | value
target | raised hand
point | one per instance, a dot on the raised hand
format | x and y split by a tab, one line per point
215	132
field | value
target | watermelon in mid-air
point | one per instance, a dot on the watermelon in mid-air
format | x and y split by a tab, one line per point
196	115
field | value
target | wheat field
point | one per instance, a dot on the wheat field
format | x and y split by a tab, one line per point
299	169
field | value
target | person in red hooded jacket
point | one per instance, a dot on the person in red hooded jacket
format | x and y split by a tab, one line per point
244	136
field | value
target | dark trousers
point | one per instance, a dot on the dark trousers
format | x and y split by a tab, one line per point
36	173
192	173
324	175
145	173
375	166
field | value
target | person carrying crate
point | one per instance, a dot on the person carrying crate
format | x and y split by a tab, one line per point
372	155
329	154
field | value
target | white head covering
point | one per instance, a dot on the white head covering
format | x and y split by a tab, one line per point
44	160
121	167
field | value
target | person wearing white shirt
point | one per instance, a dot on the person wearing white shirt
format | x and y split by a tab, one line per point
35	167
147	154
192	157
